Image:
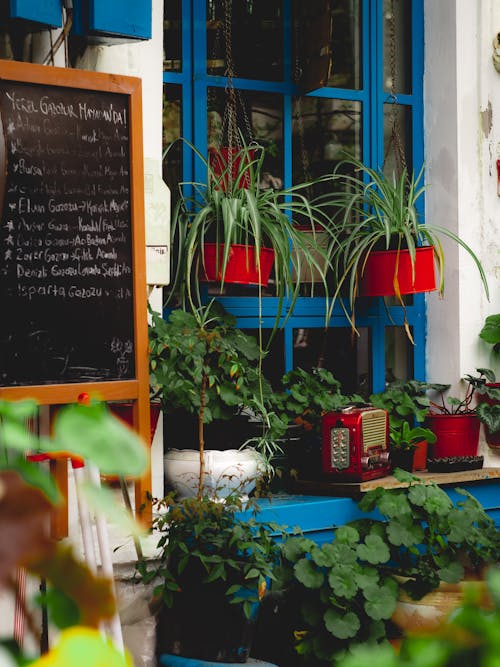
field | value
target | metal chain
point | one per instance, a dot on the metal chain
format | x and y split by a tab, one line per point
395	138
298	106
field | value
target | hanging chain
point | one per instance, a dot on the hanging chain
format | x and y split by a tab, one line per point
395	138
298	106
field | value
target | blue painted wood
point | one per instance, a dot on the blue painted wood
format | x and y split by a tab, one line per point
168	660
126	18
48	12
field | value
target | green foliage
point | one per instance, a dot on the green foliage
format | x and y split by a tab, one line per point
308	395
430	537
406	401
212	538
344	588
467	637
406	438
490	332
222	211
376	212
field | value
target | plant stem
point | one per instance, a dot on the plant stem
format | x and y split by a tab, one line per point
201	434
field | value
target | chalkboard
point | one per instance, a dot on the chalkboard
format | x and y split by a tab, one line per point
66	261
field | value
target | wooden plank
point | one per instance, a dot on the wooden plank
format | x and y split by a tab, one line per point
356	489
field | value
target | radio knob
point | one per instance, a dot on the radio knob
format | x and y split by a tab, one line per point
366	462
384	457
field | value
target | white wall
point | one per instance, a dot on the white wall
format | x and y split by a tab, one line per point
462	143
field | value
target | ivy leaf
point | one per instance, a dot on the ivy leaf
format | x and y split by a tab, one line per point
295	547
346	535
452	573
343	626
307	574
367	577
392	505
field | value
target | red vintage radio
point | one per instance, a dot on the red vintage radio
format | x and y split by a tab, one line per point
355	444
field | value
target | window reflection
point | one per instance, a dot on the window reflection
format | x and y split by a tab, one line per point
398	355
172	36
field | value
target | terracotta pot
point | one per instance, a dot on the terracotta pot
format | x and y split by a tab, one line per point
242	267
379	272
426	614
457	435
420	456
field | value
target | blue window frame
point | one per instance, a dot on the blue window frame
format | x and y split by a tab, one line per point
383	350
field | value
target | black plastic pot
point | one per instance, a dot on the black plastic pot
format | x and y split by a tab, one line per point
402	458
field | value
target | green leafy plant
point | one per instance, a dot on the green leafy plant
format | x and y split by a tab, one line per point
490	332
379	212
406	401
211	556
477	388
344	590
406	438
308	395
240	210
467	637
411	538
431	538
201	362
77	600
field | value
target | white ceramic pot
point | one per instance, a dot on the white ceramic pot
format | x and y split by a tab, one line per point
225	472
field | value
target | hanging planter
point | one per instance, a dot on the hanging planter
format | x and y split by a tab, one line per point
230	165
244	266
390	272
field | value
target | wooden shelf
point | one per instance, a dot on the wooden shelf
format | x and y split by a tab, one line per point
354	489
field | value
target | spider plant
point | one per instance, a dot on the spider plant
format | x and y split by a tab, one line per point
379	212
233	207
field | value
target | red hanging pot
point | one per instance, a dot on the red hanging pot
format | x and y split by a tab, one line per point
456	435
219	162
383	266
242	268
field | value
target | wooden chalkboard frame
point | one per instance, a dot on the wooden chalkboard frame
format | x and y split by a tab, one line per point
136	389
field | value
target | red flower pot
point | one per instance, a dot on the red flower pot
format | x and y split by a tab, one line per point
242	266
420	456
379	272
219	163
457	435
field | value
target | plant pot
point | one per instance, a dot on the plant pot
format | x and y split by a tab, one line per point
124	411
492	439
379	272
242	266
219	163
457	435
226	472
426	614
402	458
202	623
420	456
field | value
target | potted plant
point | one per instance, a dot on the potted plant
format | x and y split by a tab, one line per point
456	421
383	244
220	228
203	365
305	397
490	333
403	444
213	569
407	401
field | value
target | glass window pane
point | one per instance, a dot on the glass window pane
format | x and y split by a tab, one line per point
397	46
247	34
397	138
347	357
398	355
172	130
346	44
323	130
172	36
